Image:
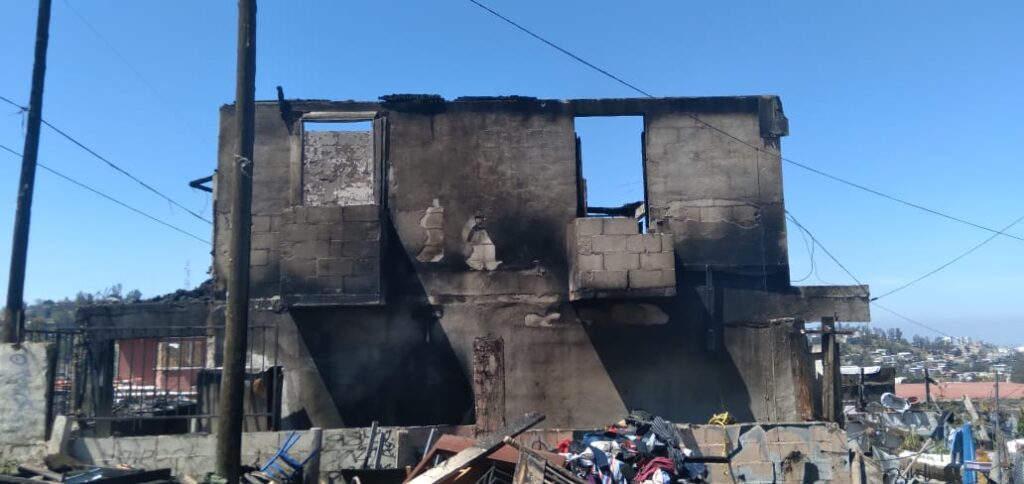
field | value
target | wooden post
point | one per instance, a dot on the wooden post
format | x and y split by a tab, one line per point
13	324
832	402
236	327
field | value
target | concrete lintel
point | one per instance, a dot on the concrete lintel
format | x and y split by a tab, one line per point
809	303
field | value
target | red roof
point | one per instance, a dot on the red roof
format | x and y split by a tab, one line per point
981	390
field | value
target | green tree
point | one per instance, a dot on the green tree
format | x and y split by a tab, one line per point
1017	373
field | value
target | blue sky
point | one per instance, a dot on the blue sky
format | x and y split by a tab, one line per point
917	99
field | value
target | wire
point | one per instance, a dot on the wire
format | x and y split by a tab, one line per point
739	140
111	164
112	199
840	264
951	261
564	51
124	60
826	251
810	253
911	321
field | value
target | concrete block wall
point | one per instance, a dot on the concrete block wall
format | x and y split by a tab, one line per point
265	253
331	251
610	258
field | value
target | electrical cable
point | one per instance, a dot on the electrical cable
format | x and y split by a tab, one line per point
814	239
950	262
170	106
911	321
842	266
108	197
735	138
112	164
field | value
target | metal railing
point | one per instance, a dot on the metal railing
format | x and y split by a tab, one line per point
156	380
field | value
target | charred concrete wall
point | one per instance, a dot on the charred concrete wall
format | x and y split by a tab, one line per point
476	198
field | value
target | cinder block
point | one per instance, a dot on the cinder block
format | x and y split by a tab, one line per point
756	472
351	231
294	215
668	278
593	262
604	280
585	246
635	244
258	257
609	243
311	249
299	232
640	279
334	266
291	268
265	240
323	215
362	213
657	261
360	249
651	242
589	226
621	262
365	267
667	242
619	226
362	284
260	223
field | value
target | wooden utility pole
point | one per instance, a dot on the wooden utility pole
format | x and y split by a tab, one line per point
14	314
229	426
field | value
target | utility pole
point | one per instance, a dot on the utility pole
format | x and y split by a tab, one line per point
14	314
229	426
999	431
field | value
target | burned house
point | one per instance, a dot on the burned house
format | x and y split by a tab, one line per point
425	261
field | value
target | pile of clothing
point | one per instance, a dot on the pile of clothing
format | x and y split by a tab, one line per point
642	449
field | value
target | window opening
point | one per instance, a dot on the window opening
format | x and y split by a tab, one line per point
611	167
338	163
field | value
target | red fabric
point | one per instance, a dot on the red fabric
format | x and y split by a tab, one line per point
653	465
563	446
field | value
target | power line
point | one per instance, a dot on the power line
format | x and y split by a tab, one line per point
132	68
111	164
951	261
840	264
825	250
740	140
911	321
112	199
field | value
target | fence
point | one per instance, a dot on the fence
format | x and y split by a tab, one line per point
153	380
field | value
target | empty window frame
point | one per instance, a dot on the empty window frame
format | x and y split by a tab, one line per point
610	167
338	166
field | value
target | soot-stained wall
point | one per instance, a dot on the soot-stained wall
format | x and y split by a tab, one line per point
476	198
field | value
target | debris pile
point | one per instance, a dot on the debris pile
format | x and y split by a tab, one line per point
641	448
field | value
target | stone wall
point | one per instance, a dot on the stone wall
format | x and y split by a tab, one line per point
608	257
23	378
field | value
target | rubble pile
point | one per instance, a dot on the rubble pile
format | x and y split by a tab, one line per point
641	448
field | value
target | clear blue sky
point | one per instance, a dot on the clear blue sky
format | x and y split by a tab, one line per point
918	99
